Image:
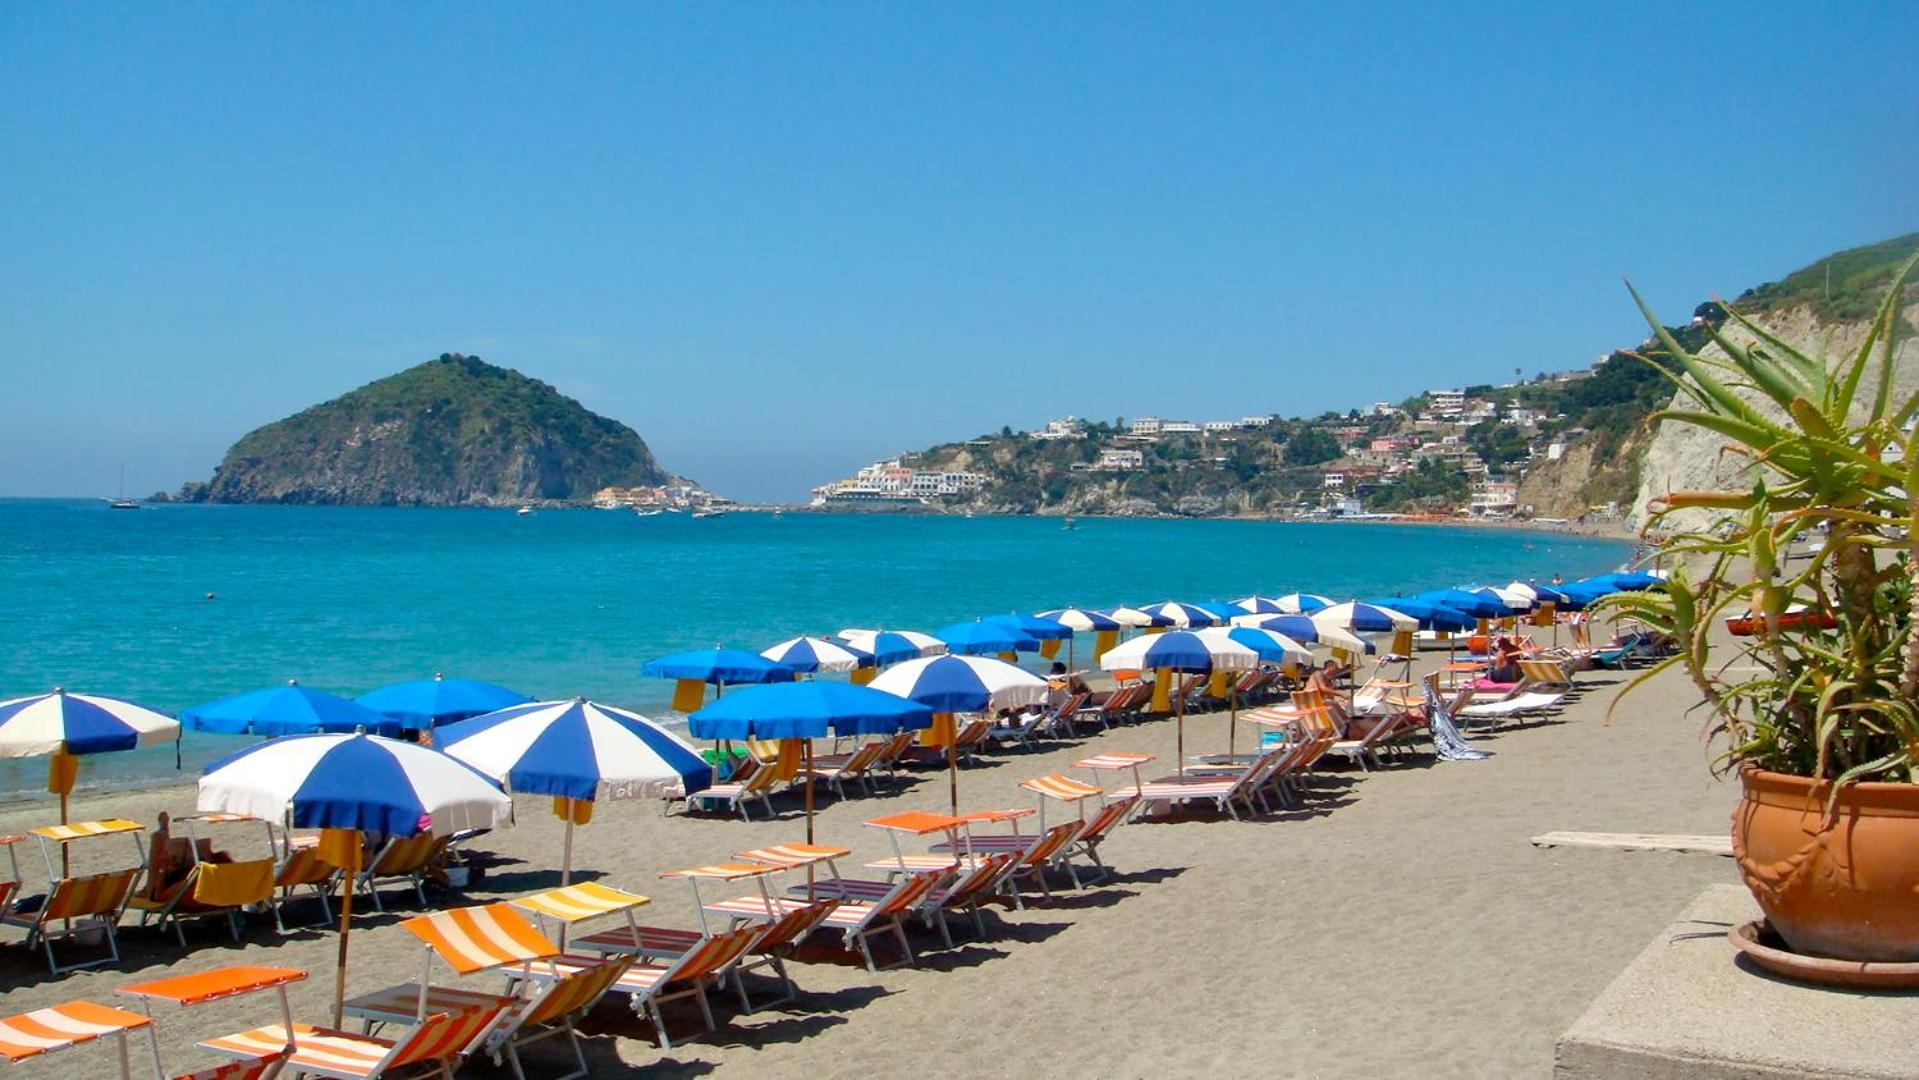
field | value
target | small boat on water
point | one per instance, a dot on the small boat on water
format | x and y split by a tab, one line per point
120	501
708	512
646	511
1069	524
525	511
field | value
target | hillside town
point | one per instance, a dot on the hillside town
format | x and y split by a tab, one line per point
1453	452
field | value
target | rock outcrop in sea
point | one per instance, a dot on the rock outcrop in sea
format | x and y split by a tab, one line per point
455	431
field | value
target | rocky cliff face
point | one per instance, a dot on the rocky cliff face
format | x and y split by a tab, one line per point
455	431
1686	458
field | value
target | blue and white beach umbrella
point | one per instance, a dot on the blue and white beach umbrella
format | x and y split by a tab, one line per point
893	646
1479	607
812	654
1515	602
1083	620
576	750
1182	615
1270	645
59	722
1181	650
1362	618
1302	603
1431	616
288	710
963	684
1259	605
354	782
422	703
1138	618
986	638
807	710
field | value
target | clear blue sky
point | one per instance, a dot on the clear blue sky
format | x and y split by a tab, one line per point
783	240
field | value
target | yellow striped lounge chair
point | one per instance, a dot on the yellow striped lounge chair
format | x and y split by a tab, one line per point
96	899
303	868
403	859
211	890
438	1042
757	786
855	767
60	1027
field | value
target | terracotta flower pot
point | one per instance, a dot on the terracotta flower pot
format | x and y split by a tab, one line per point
1844	886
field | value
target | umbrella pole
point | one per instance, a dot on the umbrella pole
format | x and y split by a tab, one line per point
346	915
1179	727
952	775
566	852
809	816
1232	720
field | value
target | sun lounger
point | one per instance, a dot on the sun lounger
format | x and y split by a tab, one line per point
71	905
405	859
261	1067
1226	791
303	868
855	767
211	890
220	986
649	984
440	1040
757	786
1062	719
1124	704
62	1027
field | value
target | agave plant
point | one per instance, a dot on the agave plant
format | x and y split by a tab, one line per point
1830	450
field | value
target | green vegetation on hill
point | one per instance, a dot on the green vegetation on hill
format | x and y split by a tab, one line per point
452	431
1844	287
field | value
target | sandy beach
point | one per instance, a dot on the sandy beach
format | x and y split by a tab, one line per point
1401	924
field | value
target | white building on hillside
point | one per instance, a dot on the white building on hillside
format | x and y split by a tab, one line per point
1067	428
1447	402
1144	425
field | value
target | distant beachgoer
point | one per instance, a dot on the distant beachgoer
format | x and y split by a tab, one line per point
1058	668
1505	667
1557	580
170	859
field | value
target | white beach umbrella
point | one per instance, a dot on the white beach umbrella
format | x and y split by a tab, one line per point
892	646
811	654
951	684
1184	651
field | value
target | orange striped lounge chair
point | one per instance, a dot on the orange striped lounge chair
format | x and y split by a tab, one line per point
650	984
60	1027
855	767
262	1067
774	946
95	899
222	985
435	1043
858	920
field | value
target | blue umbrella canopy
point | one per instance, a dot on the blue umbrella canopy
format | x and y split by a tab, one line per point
722	666
1431	616
1272	646
576	749
1178	614
807	710
1479	607
1033	626
1513	602
985	638
1258	605
1297	627
1363	618
76	724
1631	580
1081	619
439	700
288	710
811	654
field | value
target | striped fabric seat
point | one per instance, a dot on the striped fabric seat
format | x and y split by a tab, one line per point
403	1002
1063	788
996	843
919	864
752	907
574	903
443	1038
95	899
648	984
57	1027
474	939
1112	761
793	856
843	889
643	940
78	830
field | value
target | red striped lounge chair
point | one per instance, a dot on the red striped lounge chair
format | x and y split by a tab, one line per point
859	919
649	985
441	1040
61	1027
263	1067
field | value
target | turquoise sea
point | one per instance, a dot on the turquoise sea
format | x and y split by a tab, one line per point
573	602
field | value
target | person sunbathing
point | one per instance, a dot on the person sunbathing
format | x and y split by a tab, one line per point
170	859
